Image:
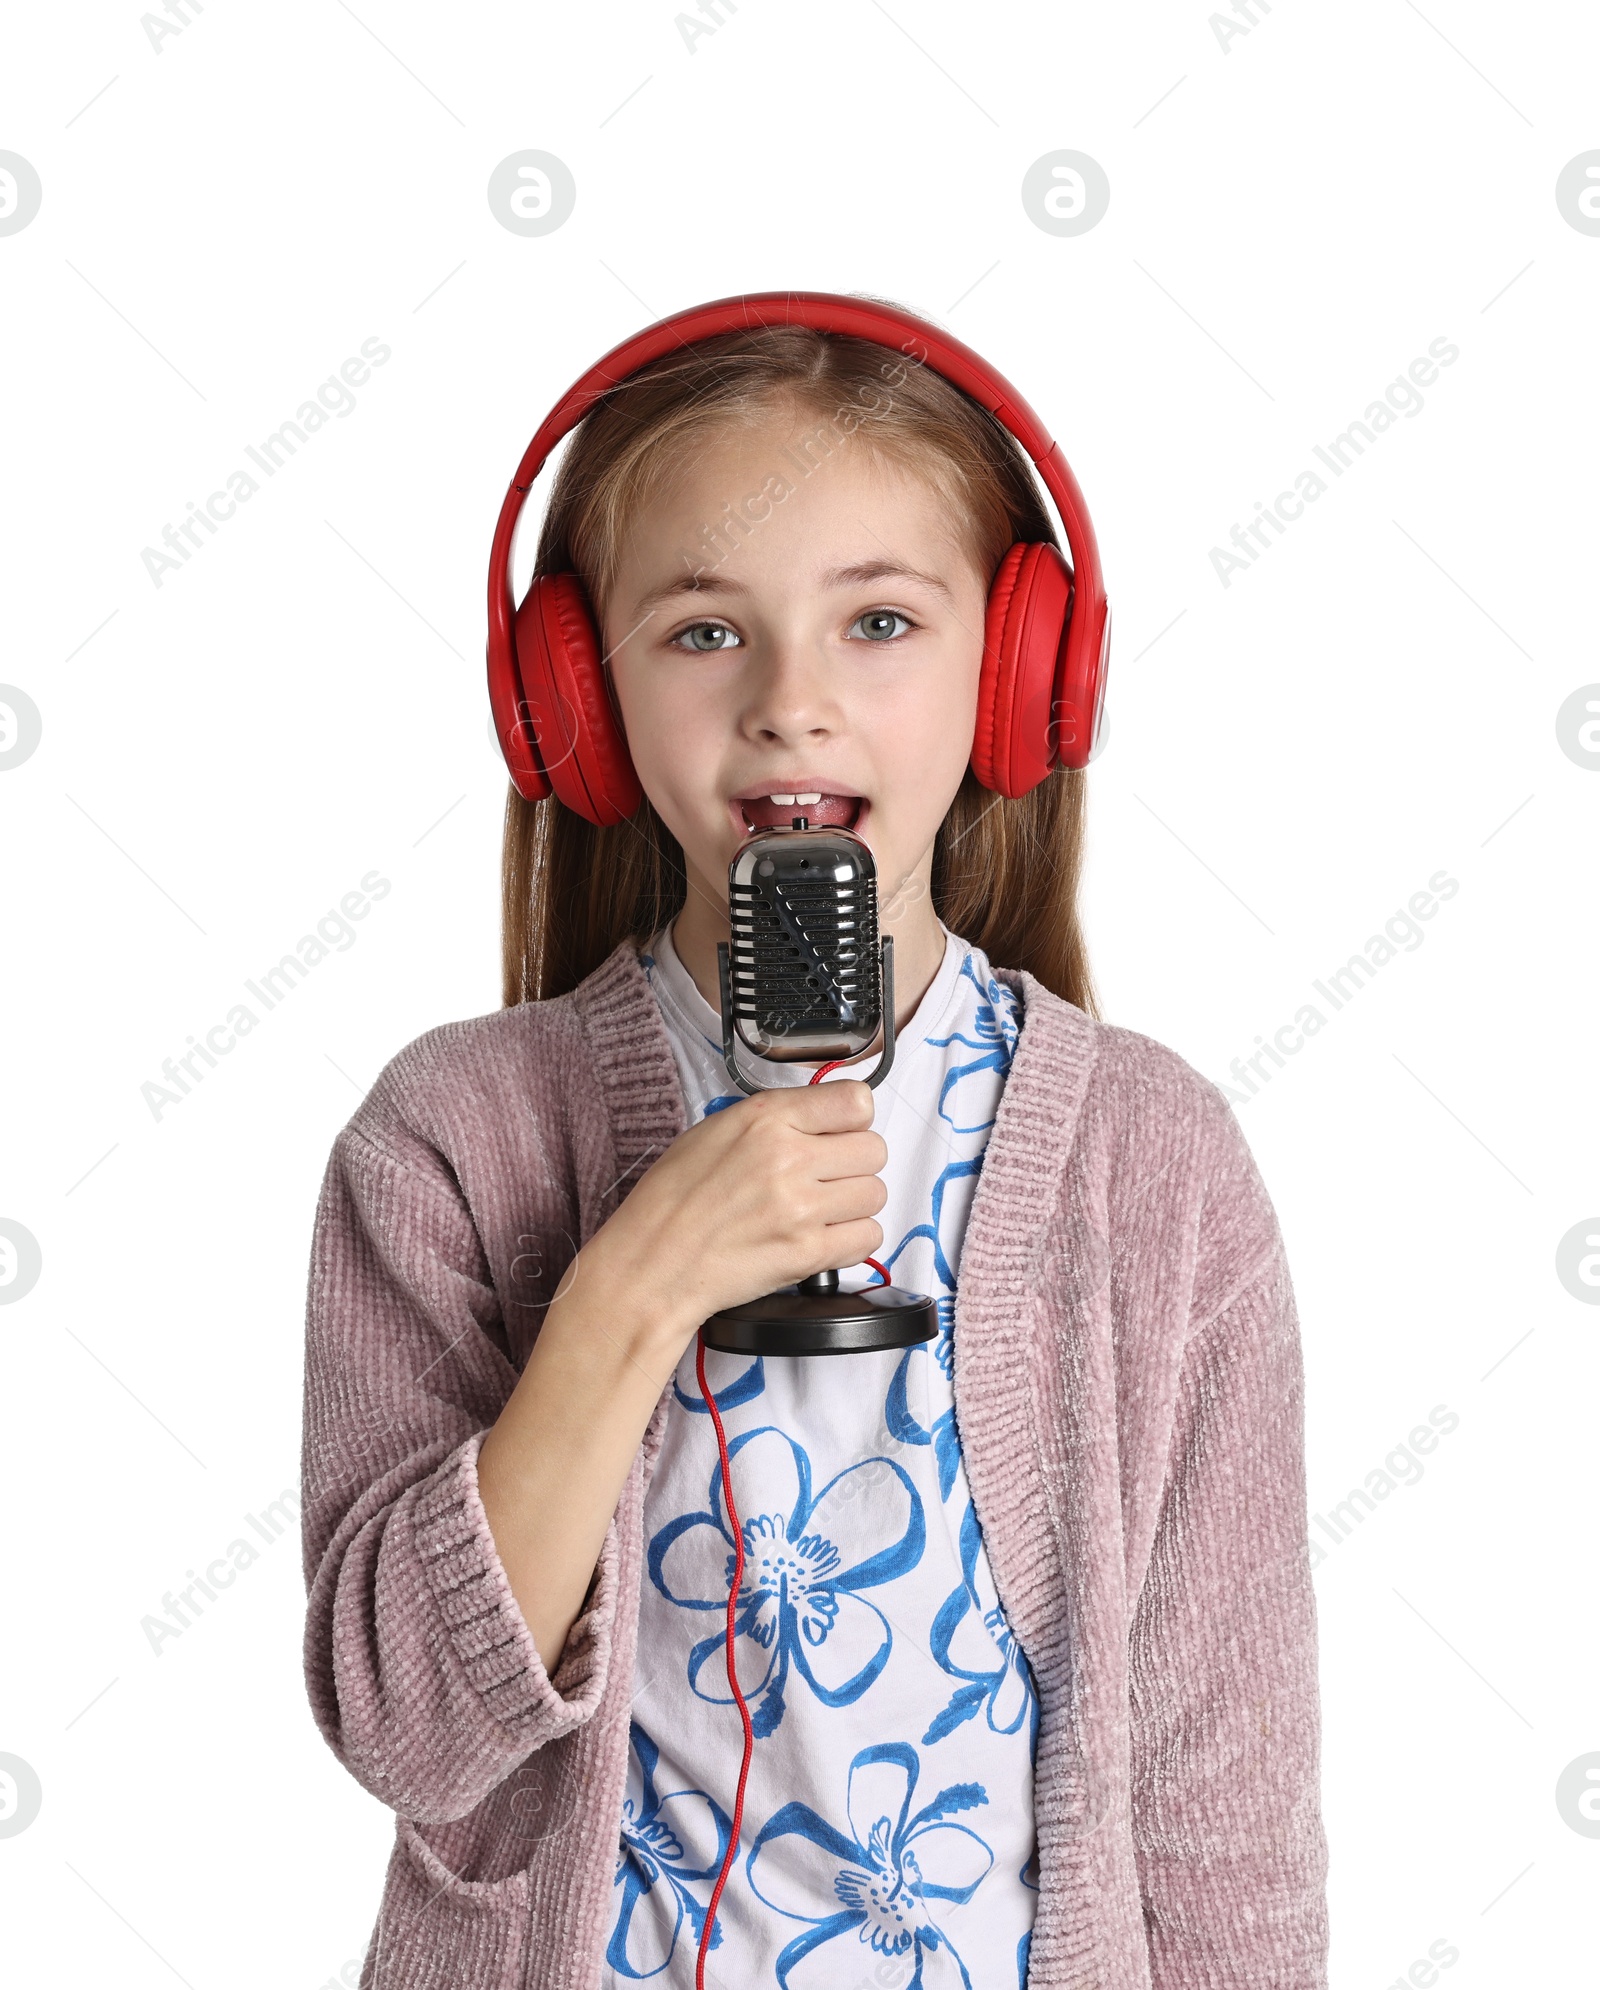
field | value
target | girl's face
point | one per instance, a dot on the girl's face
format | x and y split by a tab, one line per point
818	657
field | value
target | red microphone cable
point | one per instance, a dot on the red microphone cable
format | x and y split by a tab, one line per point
736	1525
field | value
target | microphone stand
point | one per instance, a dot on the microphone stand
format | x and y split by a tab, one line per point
815	1316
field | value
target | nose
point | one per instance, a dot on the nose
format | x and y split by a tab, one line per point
792	699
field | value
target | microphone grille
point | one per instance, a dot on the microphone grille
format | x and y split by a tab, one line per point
805	972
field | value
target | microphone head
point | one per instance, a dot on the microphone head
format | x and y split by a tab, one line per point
805	979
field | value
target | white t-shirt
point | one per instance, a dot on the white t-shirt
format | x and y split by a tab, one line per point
888	1821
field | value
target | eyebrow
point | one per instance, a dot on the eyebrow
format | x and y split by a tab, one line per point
856	575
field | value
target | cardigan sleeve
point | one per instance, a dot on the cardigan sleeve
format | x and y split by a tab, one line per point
422	1673
1227	1827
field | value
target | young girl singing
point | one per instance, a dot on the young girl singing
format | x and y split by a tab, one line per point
1020	1617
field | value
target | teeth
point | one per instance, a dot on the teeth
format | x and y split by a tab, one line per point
783	801
806	798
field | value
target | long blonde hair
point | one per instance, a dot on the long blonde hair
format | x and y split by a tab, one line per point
1005	873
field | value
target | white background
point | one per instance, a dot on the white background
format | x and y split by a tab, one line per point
1291	757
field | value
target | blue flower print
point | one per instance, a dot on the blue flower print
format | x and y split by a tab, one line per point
883	1873
996	1030
744	1388
902	1424
656	1868
807	1560
976	1644
956	1171
898	1416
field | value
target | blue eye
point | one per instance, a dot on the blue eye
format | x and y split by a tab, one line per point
725	637
878	617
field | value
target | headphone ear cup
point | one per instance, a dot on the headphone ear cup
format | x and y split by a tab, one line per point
1081	687
1025	623
509	703
579	743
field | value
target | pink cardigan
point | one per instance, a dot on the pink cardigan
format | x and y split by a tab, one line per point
1128	1389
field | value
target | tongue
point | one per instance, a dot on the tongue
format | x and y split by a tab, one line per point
832	812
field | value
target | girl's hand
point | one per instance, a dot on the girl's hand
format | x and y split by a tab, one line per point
767	1192
759	1195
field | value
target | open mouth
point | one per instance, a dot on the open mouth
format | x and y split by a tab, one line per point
781	810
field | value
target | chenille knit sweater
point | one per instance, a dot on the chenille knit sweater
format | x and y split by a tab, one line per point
1129	1403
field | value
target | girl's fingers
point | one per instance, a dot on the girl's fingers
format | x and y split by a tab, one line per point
850	1243
844	1154
835	1106
848	1201
787	1182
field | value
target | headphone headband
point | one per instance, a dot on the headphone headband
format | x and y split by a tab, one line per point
821	311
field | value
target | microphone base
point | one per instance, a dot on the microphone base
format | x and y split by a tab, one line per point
815	1317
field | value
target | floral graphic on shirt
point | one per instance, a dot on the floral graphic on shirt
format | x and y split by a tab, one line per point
744	1388
883	1873
995	1029
657	1872
976	1644
992	1031
808	1558
900	1419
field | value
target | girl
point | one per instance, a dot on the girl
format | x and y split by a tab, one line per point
1023	1625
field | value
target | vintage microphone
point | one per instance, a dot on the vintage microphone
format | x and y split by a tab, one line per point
806	977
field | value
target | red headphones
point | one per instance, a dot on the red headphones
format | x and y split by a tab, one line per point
1047	629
